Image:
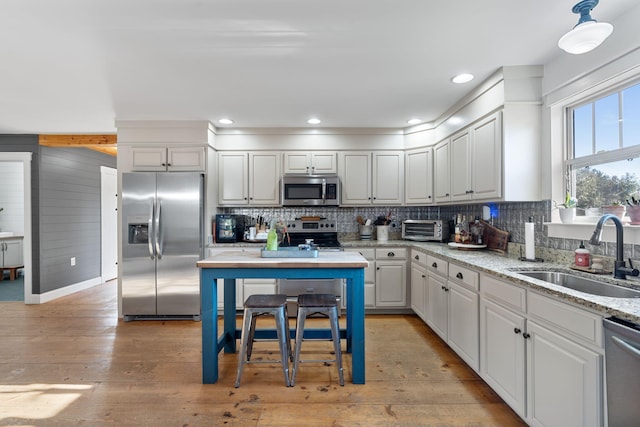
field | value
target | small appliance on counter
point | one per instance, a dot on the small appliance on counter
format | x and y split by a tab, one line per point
229	228
425	230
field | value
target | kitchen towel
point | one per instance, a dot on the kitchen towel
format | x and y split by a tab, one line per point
529	240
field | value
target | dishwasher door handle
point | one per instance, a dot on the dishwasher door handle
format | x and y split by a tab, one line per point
626	346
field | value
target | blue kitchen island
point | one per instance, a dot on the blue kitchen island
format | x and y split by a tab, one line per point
244	265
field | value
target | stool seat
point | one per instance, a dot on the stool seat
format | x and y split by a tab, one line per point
309	304
258	305
317	300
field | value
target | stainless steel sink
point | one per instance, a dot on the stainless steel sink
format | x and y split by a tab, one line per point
582	284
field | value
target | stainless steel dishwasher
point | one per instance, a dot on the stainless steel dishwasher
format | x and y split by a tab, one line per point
622	355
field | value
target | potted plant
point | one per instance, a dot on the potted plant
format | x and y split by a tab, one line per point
633	210
567	210
616	208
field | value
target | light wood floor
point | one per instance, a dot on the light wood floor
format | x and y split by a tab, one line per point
72	362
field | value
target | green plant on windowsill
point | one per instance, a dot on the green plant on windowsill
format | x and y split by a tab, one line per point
569	202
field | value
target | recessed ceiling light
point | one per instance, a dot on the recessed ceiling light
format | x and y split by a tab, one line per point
462	78
414	121
314	121
225	121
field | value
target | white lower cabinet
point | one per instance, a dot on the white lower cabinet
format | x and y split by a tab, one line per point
544	357
11	252
391	277
258	286
369	278
418	283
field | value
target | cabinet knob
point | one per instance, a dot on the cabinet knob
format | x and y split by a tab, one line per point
470	191
168	164
526	336
428	197
443	288
434	265
446	195
423	276
390	254
377	268
417	257
517	330
459	276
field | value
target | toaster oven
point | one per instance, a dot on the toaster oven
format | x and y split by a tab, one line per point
425	230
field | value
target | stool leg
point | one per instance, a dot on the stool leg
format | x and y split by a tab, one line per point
252	334
335	334
245	339
302	314
283	340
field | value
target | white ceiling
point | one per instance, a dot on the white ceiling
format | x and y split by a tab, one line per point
75	66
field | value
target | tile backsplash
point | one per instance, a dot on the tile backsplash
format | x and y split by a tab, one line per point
509	216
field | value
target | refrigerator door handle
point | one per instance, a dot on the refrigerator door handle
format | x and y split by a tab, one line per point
150	230
158	229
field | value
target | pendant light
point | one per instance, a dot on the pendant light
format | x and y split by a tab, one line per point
588	33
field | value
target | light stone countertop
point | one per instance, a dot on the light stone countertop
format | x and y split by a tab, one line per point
500	266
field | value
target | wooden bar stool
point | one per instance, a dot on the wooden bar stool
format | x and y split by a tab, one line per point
258	305
309	304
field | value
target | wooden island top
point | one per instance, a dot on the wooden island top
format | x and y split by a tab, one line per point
325	259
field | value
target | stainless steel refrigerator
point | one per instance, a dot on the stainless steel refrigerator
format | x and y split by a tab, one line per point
162	241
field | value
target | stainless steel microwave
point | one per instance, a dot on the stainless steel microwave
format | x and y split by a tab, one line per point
310	190
425	230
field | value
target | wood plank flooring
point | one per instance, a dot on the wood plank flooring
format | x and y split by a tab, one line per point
73	362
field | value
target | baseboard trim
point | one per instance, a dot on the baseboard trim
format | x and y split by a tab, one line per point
63	292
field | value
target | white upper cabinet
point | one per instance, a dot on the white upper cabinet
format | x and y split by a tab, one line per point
249	178
460	165
442	184
170	159
372	177
419	177
312	163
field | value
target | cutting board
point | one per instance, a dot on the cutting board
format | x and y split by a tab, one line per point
496	239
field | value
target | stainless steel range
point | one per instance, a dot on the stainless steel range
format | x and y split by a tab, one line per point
324	234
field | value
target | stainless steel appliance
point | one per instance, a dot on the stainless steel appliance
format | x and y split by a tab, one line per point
229	228
324	234
622	356
425	230
310	190
162	215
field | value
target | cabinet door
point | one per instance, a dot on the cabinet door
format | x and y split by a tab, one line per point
324	162
232	178
355	174
12	253
559	371
441	172
418	179
418	290
149	159
502	353
391	284
388	178
258	286
186	159
264	178
297	162
437	307
486	157
460	165
463	325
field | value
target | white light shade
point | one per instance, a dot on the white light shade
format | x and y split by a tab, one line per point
225	121
585	37
414	121
462	78
314	121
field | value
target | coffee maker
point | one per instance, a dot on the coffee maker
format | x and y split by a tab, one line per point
229	228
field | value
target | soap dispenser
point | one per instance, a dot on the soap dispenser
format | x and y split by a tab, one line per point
582	256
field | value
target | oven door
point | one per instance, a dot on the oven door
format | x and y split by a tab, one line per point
294	287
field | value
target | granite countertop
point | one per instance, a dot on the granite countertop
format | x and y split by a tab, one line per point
502	265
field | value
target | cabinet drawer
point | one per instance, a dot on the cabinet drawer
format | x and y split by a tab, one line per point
507	294
464	276
368	253
391	253
418	257
437	265
564	318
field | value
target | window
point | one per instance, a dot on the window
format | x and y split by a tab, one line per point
603	165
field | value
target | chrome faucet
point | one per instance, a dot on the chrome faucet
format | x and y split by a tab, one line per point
620	270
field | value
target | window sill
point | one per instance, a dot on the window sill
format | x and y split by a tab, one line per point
583	230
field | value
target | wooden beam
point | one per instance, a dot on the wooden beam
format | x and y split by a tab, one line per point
103	143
